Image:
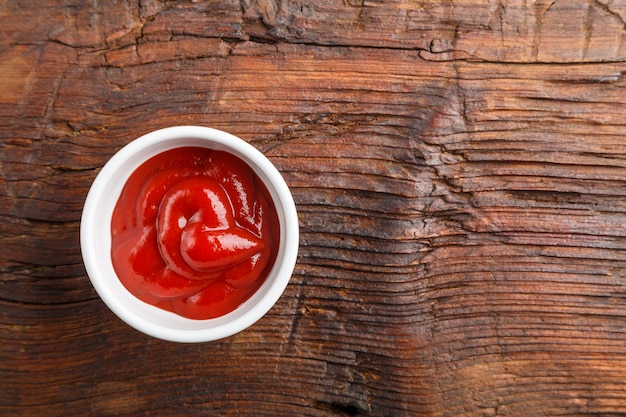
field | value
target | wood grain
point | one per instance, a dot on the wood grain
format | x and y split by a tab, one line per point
459	173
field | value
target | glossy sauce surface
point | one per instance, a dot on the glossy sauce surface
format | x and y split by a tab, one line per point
194	232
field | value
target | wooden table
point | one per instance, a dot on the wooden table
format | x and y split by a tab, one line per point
459	169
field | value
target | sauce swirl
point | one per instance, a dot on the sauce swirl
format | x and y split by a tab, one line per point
194	232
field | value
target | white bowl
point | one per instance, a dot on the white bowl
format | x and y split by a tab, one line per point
95	237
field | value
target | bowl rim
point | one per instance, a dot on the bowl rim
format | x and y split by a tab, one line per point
95	237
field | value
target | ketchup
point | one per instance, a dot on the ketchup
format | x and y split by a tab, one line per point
194	232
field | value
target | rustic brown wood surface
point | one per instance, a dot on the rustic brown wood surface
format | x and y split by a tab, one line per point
459	168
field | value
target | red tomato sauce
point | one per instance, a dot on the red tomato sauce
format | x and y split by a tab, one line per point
194	232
